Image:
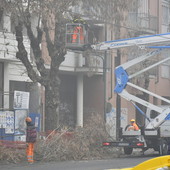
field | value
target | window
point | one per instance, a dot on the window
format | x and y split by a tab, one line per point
165	71
165	14
153	114
143	7
1	19
1	84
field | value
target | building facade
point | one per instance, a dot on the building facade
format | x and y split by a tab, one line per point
87	82
147	17
13	74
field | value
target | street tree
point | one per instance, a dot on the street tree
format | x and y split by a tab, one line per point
45	21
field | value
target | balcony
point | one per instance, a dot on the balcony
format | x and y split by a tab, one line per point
143	22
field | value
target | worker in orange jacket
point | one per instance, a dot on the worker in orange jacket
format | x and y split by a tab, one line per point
133	126
78	35
31	136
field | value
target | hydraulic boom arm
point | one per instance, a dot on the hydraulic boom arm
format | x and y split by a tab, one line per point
137	41
122	77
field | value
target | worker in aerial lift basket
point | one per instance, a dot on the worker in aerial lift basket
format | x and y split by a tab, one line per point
79	30
133	125
78	35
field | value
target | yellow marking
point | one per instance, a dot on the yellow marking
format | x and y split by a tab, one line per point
122	169
152	164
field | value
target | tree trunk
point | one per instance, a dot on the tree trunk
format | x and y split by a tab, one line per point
52	104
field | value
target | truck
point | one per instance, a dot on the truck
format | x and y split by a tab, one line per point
144	139
156	132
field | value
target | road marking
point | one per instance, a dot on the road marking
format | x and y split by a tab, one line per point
163	168
121	169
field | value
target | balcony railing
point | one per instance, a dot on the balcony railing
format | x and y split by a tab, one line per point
143	21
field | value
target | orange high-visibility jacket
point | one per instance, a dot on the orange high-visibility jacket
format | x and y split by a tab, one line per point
135	126
78	31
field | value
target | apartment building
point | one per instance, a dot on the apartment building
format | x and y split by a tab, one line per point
14	78
147	18
84	88
13	74
92	93
81	91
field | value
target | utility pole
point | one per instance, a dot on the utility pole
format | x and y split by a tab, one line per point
118	99
104	73
105	79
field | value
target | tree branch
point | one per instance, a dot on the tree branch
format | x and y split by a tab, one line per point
23	56
50	45
35	45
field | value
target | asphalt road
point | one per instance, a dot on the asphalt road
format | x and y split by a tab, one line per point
122	162
79	165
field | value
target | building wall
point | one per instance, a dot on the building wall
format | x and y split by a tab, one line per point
153	9
68	96
159	85
93	86
14	75
12	71
93	96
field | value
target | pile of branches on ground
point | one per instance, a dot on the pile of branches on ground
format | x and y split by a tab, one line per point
79	144
11	154
82	143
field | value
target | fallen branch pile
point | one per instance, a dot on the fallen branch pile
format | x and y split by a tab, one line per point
83	143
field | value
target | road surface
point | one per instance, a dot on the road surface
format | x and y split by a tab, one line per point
122	162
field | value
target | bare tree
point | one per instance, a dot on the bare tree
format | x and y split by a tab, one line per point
50	22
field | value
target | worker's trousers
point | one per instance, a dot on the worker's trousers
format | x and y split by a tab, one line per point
30	152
